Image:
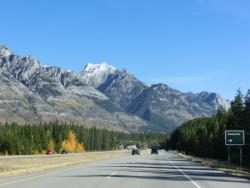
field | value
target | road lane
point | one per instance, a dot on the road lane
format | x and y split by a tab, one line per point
147	171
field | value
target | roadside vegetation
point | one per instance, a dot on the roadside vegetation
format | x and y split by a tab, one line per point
204	137
37	139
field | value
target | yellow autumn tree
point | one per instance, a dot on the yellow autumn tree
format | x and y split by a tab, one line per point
79	148
71	144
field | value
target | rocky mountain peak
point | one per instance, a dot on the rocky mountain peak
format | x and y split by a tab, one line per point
98	67
4	51
30	61
96	74
160	86
213	99
163	88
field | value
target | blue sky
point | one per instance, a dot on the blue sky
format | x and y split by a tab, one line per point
191	45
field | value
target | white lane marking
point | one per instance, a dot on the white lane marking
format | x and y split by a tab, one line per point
110	176
190	179
126	166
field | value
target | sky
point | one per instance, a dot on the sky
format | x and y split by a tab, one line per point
190	45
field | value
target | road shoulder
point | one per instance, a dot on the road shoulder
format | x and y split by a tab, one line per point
218	165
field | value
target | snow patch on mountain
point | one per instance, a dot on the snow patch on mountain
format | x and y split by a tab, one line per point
96	74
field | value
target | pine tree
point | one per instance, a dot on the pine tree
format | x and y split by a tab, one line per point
236	115
247	112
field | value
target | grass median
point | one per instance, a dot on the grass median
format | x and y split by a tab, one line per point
13	166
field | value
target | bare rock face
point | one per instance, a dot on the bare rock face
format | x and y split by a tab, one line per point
4	51
122	88
214	100
31	93
167	107
99	95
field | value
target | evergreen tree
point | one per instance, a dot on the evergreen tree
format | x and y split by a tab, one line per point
236	115
247	112
205	136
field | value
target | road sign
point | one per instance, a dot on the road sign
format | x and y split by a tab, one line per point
234	138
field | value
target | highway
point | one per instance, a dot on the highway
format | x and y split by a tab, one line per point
144	171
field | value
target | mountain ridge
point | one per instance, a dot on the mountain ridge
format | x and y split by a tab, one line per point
99	95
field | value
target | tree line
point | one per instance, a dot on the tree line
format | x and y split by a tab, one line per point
205	137
37	139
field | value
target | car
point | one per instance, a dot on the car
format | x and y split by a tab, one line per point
135	152
154	150
49	152
64	152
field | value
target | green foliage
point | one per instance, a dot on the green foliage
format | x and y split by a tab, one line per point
205	136
36	139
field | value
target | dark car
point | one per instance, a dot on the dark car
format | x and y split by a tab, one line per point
154	150
135	152
64	152
49	152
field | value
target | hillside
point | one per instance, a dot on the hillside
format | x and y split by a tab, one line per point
99	95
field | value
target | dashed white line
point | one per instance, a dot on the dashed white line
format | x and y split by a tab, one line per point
190	179
110	176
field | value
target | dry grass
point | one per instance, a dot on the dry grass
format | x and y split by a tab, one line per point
220	165
22	165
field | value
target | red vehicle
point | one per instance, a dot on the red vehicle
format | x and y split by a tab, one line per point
49	152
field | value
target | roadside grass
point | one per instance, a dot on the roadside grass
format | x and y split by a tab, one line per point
29	164
220	165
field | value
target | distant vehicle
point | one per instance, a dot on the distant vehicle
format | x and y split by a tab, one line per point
49	152
131	147
135	152
64	152
154	150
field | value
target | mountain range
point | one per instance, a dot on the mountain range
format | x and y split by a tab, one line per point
100	95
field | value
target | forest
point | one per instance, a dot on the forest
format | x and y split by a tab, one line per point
205	137
37	139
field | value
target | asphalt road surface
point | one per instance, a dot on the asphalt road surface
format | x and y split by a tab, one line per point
144	171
